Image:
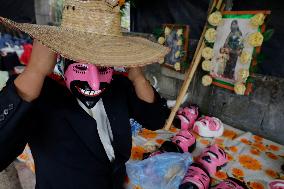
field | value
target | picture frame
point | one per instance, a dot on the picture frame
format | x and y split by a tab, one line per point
234	58
176	37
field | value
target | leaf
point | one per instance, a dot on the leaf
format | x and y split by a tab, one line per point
158	32
267	20
250	80
268	34
185	65
254	53
253	69
260	58
214	10
208	44
210	26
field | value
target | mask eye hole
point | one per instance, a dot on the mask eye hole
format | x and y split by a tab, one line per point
81	67
104	70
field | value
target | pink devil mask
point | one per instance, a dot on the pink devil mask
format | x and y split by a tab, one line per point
196	177
87	81
231	183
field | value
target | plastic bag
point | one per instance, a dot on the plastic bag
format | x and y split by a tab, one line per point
162	171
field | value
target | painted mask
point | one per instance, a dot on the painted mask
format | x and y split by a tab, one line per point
87	82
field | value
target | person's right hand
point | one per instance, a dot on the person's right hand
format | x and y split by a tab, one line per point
42	63
42	60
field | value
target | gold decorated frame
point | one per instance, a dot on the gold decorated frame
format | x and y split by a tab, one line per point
242	15
184	59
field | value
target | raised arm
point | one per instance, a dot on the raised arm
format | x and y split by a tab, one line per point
30	82
16	104
146	105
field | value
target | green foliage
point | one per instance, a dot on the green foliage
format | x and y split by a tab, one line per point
260	58
250	80
158	32
253	69
208	44
185	65
214	10
268	34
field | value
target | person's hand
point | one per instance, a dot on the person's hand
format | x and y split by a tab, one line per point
30	82
143	88
42	60
136	75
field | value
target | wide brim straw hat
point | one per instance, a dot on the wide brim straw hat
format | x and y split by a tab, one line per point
91	32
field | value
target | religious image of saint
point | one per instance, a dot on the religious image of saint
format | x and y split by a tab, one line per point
232	49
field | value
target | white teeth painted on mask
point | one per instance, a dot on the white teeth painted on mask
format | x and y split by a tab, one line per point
89	92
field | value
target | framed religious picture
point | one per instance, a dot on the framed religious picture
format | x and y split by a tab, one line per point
176	38
233	42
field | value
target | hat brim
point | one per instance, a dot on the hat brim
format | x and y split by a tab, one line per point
103	50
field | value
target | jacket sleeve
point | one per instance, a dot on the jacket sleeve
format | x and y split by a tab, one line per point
13	138
151	115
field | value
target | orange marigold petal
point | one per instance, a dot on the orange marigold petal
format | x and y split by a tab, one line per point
256	185
221	175
229	134
238	172
121	2
254	151
219	141
274	147
257	138
249	162
205	142
259	146
245	141
137	187
148	134
160	141
271	173
234	149
173	129
271	155
137	153
230	157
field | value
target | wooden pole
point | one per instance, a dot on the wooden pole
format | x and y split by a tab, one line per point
191	71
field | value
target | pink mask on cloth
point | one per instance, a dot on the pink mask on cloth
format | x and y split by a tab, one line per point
231	183
87	81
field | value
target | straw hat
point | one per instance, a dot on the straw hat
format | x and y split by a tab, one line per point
90	31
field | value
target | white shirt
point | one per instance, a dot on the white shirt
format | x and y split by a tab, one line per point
98	112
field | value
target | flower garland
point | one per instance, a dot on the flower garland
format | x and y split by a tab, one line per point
253	40
178	54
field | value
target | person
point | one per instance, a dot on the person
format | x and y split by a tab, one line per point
79	133
222	60
233	44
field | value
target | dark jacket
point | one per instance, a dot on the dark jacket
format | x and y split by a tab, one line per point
63	138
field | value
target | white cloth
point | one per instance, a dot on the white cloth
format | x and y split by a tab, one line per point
4	76
103	125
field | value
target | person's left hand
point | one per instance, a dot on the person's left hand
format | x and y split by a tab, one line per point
135	74
143	88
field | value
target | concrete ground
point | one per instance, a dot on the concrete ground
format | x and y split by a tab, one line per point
17	176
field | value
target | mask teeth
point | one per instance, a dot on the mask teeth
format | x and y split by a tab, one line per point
89	92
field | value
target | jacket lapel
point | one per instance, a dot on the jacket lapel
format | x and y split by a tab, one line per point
116	108
85	126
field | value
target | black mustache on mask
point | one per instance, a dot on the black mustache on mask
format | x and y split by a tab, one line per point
83	91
